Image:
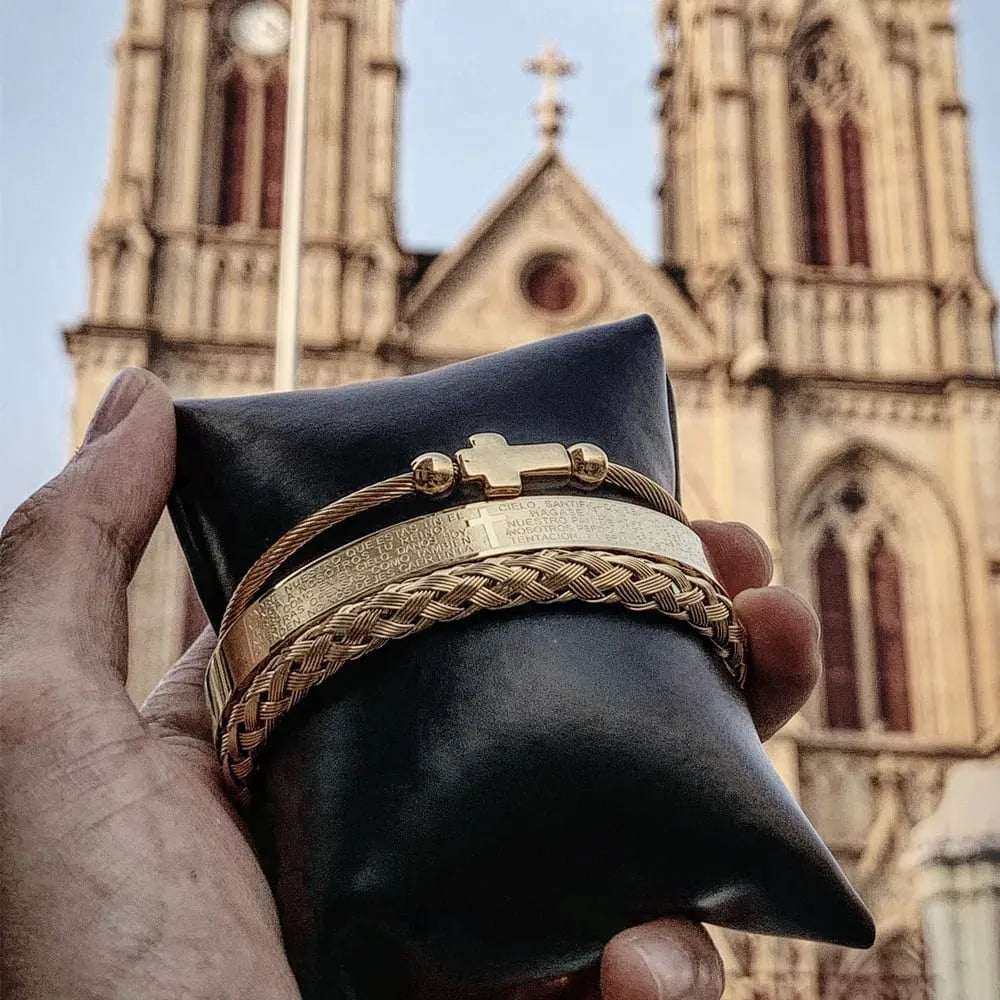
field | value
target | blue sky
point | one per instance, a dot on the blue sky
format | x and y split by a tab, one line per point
466	132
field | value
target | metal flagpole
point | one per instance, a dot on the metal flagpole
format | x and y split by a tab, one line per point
286	354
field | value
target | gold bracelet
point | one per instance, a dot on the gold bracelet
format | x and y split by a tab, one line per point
432	542
274	648
403	609
499	468
489	462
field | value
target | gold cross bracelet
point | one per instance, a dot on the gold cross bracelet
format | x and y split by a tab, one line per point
507	550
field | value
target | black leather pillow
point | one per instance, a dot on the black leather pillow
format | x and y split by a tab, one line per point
489	802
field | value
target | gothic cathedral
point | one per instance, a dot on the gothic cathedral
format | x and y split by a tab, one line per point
825	322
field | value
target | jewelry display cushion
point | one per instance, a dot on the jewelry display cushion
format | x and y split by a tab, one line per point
488	802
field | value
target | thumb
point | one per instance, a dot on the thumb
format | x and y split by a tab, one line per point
667	959
67	554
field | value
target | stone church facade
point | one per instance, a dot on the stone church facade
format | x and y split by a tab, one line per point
823	313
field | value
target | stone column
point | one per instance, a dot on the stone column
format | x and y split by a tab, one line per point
191	45
776	229
955	859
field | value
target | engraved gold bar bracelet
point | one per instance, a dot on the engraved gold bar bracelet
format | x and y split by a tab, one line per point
509	550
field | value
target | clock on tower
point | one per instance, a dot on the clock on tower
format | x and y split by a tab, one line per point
260	28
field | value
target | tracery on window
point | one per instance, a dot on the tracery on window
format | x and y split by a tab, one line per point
828	102
858	576
245	135
823	72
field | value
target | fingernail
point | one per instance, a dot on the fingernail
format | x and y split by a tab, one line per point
649	968
116	404
664	960
670	968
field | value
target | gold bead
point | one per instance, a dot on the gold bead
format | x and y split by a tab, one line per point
590	465
433	474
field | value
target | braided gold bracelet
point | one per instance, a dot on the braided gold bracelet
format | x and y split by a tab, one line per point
506	552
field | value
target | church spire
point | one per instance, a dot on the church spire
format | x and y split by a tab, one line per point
550	65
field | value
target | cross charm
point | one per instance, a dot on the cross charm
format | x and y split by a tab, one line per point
502	467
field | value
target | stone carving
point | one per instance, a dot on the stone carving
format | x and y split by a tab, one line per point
824	74
901	39
768	27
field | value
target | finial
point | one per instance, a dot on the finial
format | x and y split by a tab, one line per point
549	110
667	30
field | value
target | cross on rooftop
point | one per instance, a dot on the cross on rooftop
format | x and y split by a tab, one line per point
550	65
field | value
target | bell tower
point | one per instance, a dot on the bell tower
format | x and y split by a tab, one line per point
816	183
184	254
816	203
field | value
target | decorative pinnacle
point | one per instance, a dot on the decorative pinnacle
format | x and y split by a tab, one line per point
668	31
550	65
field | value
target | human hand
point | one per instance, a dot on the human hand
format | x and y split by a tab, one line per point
125	869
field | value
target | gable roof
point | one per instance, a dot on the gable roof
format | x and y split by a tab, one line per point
519	217
446	263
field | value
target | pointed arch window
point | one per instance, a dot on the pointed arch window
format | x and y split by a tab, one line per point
855	208
232	173
827	100
245	173
816	220
859	596
273	169
840	666
886	598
